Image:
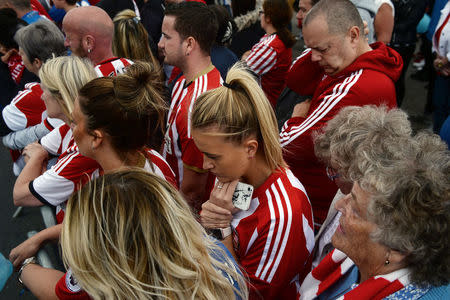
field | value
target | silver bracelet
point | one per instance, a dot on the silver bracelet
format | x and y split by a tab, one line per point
26	262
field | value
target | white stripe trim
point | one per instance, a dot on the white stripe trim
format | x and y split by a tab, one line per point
20	96
300	56
279	233
66	160
273	60
269	234
252	240
339	91
267	54
286	233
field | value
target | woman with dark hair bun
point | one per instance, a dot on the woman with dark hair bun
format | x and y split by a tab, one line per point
115	120
271	57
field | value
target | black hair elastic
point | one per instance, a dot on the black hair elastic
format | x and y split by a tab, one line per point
230	86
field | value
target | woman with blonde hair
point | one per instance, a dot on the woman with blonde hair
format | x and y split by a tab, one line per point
131	39
130	235
235	128
61	79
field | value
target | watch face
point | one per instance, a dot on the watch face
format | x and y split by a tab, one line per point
217	233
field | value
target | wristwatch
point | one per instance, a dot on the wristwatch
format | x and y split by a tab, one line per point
26	262
221	233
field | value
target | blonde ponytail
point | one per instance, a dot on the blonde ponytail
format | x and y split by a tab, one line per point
240	109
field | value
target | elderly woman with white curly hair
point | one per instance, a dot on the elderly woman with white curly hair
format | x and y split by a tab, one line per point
335	146
393	237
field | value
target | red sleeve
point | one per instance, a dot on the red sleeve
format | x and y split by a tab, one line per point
36	5
191	156
68	288
304	75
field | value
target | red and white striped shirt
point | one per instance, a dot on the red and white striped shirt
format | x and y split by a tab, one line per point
26	109
368	80
179	147
273	240
57	141
156	164
270	59
112	67
68	175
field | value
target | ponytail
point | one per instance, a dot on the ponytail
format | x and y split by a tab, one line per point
240	109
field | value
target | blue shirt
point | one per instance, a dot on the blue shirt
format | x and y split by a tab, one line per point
345	284
32	17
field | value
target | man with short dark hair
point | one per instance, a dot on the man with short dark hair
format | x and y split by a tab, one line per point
188	32
339	69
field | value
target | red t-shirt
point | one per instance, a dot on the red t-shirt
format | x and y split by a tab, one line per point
112	67
179	147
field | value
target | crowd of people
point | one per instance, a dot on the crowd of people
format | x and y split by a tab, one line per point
158	145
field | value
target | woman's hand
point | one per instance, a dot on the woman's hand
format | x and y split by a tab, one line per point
35	151
213	216
217	211
23	251
222	194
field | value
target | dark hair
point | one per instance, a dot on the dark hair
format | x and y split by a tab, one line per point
71	2
9	24
226	24
340	15
280	14
241	7
130	107
193	19
21	4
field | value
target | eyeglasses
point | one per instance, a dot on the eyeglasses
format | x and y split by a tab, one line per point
332	174
261	12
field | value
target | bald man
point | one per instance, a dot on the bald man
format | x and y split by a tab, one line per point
339	69
89	33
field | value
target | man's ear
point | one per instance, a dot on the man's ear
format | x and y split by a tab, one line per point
97	138
190	43
89	43
354	34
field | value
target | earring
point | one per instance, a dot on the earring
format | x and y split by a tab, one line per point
387	262
89	50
